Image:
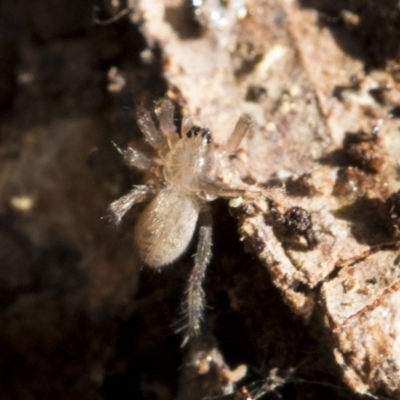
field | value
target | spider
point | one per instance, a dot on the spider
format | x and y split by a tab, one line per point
181	177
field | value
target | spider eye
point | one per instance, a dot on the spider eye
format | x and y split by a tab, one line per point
193	131
206	134
196	131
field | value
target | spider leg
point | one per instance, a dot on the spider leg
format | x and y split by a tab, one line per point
121	206
241	128
165	112
216	189
150	132
134	158
187	124
195	298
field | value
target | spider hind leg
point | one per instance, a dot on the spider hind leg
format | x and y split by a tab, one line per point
121	206
195	297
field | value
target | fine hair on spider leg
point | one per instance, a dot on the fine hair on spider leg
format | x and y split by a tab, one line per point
195	297
151	133
111	20
165	112
121	206
134	158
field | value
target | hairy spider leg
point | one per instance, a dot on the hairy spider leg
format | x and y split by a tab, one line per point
195	298
241	128
136	159
216	189
121	206
165	113
150	132
187	124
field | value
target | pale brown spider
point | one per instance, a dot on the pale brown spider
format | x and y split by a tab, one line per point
183	175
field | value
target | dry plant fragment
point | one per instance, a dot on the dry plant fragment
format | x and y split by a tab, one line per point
206	375
182	176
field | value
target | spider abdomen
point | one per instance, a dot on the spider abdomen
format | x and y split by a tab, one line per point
165	227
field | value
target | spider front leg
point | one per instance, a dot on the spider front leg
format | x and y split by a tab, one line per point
240	130
165	112
134	159
195	298
121	206
150	132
